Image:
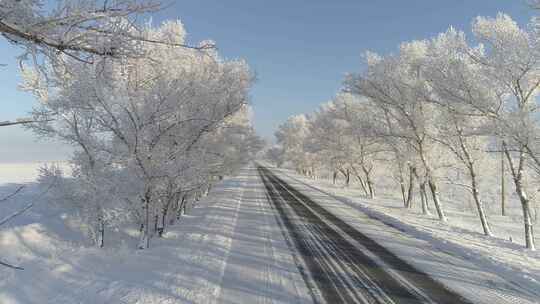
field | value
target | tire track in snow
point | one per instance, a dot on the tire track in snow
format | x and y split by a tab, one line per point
296	259
503	289
323	272
218	290
411	285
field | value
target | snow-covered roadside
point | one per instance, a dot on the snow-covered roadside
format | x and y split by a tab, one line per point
464	260
228	249
184	267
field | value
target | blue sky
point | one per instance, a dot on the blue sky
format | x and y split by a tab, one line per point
300	50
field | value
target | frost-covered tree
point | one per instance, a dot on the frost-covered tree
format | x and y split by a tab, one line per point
327	138
395	85
511	65
459	87
437	108
292	136
232	145
365	146
78	29
340	130
87	31
142	116
275	155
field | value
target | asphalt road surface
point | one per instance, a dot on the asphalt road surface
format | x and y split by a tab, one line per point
341	264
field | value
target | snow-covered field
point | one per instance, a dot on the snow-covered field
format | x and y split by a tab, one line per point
460	237
25	172
184	267
227	248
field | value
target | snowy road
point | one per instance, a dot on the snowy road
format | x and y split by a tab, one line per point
336	256
260	267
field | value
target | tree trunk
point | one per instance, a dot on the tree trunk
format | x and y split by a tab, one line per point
469	163
517	174
174	210
101	231
527	220
436	200
410	194
144	241
363	185
503	187
433	187
180	206
403	193
183	207
424	198
165	211
476	194
142	238
479	205
371	186
402	182
361	181
156	223
347	175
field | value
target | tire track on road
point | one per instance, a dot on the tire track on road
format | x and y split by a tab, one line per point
341	270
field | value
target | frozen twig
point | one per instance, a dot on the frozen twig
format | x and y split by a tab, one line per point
11	266
12	194
28	206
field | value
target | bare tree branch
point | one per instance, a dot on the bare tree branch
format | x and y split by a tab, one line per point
11	266
12	194
21	122
30	205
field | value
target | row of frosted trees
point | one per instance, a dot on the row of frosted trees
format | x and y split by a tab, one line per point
154	121
153	132
437	107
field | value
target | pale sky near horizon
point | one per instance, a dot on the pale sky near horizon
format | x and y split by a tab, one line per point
300	51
